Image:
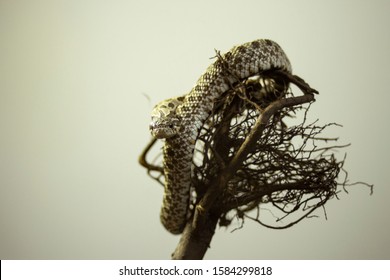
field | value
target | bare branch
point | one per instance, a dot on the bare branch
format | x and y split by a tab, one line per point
246	156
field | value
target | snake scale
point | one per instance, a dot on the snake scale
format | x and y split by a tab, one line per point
180	119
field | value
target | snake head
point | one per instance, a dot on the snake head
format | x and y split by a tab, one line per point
165	123
164	127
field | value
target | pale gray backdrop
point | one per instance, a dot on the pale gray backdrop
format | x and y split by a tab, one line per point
74	118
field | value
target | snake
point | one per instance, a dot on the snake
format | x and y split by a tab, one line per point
178	120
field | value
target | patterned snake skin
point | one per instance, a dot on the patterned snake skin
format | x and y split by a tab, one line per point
179	120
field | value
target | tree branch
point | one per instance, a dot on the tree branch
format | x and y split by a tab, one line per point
246	156
220	182
200	229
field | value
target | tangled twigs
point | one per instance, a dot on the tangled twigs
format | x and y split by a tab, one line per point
246	156
248	145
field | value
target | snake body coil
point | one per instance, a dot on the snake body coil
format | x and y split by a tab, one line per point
179	120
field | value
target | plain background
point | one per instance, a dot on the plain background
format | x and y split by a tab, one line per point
74	76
